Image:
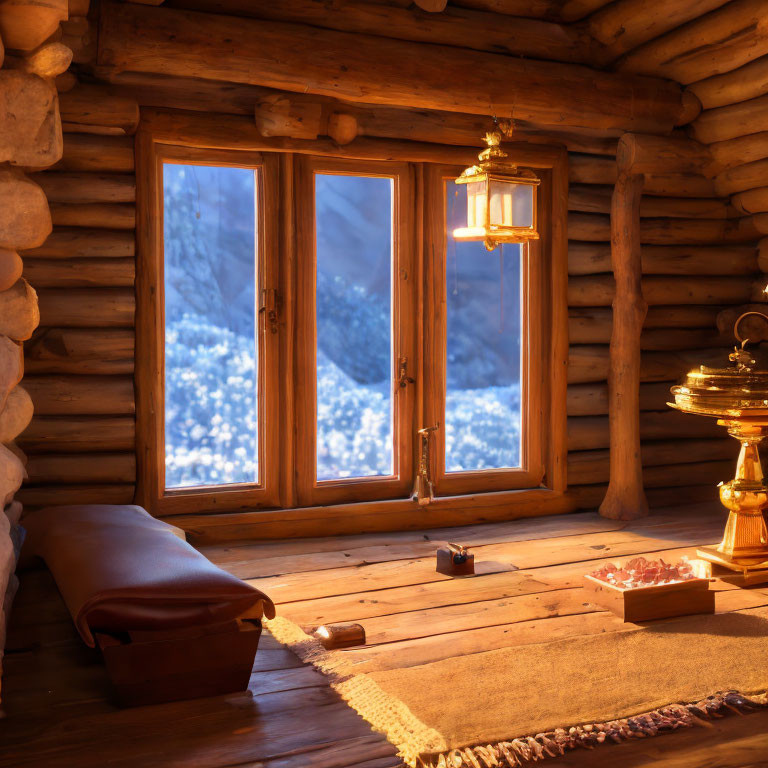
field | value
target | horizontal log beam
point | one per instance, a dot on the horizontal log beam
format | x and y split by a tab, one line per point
459	27
742	177
378	70
591	363
560	10
65	243
592	399
432	126
591	169
81	434
80	273
591	198
119	216
80	351
664	476
109	154
86	107
66	187
585	467
669	231
716	42
731	122
751	201
642	153
627	24
743	149
234	132
586	433
592	325
582	331
46	496
57	395
71	469
595	258
598	290
742	84
87	307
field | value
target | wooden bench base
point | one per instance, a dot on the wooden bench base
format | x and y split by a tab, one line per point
155	667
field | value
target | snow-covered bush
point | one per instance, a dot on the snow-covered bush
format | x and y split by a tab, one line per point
211	430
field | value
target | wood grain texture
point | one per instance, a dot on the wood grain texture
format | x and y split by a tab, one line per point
159	39
625	499
455	26
57	701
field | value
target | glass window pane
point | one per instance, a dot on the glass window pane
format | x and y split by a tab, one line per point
484	322
354	240
210	325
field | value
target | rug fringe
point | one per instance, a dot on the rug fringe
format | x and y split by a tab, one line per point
386	713
518	752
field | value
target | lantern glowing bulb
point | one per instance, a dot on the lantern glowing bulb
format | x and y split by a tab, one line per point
501	199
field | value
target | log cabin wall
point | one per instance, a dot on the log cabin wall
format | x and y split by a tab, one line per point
718	51
699	246
79	363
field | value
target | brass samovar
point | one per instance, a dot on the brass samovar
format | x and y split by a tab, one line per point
737	396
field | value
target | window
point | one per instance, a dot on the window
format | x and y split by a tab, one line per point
211	347
483	369
357	291
353	320
301	318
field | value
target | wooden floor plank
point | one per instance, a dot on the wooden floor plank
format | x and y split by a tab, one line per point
527	590
360	606
249	561
492	558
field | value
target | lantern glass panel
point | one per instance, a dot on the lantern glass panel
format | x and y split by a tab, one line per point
511	204
502	195
522	204
476	203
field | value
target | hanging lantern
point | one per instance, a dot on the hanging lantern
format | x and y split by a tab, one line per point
501	199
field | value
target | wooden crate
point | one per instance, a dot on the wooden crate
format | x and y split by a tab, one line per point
659	601
156	667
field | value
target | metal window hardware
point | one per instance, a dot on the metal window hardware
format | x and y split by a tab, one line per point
403	379
268	311
424	491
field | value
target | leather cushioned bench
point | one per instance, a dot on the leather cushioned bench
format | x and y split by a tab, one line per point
171	624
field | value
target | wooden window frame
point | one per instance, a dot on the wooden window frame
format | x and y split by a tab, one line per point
150	331
399	483
288	515
535	384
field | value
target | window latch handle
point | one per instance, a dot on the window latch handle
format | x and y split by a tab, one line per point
403	379
424	488
268	310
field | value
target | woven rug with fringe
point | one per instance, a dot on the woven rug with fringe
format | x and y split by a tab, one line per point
511	705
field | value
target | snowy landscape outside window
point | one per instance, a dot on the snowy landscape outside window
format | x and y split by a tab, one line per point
483	409
353	230
211	424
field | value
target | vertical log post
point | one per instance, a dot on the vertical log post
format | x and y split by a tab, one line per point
625	498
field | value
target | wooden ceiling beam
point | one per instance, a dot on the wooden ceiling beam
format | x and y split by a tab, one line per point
378	70
459	27
717	42
626	24
747	82
554	10
425	125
